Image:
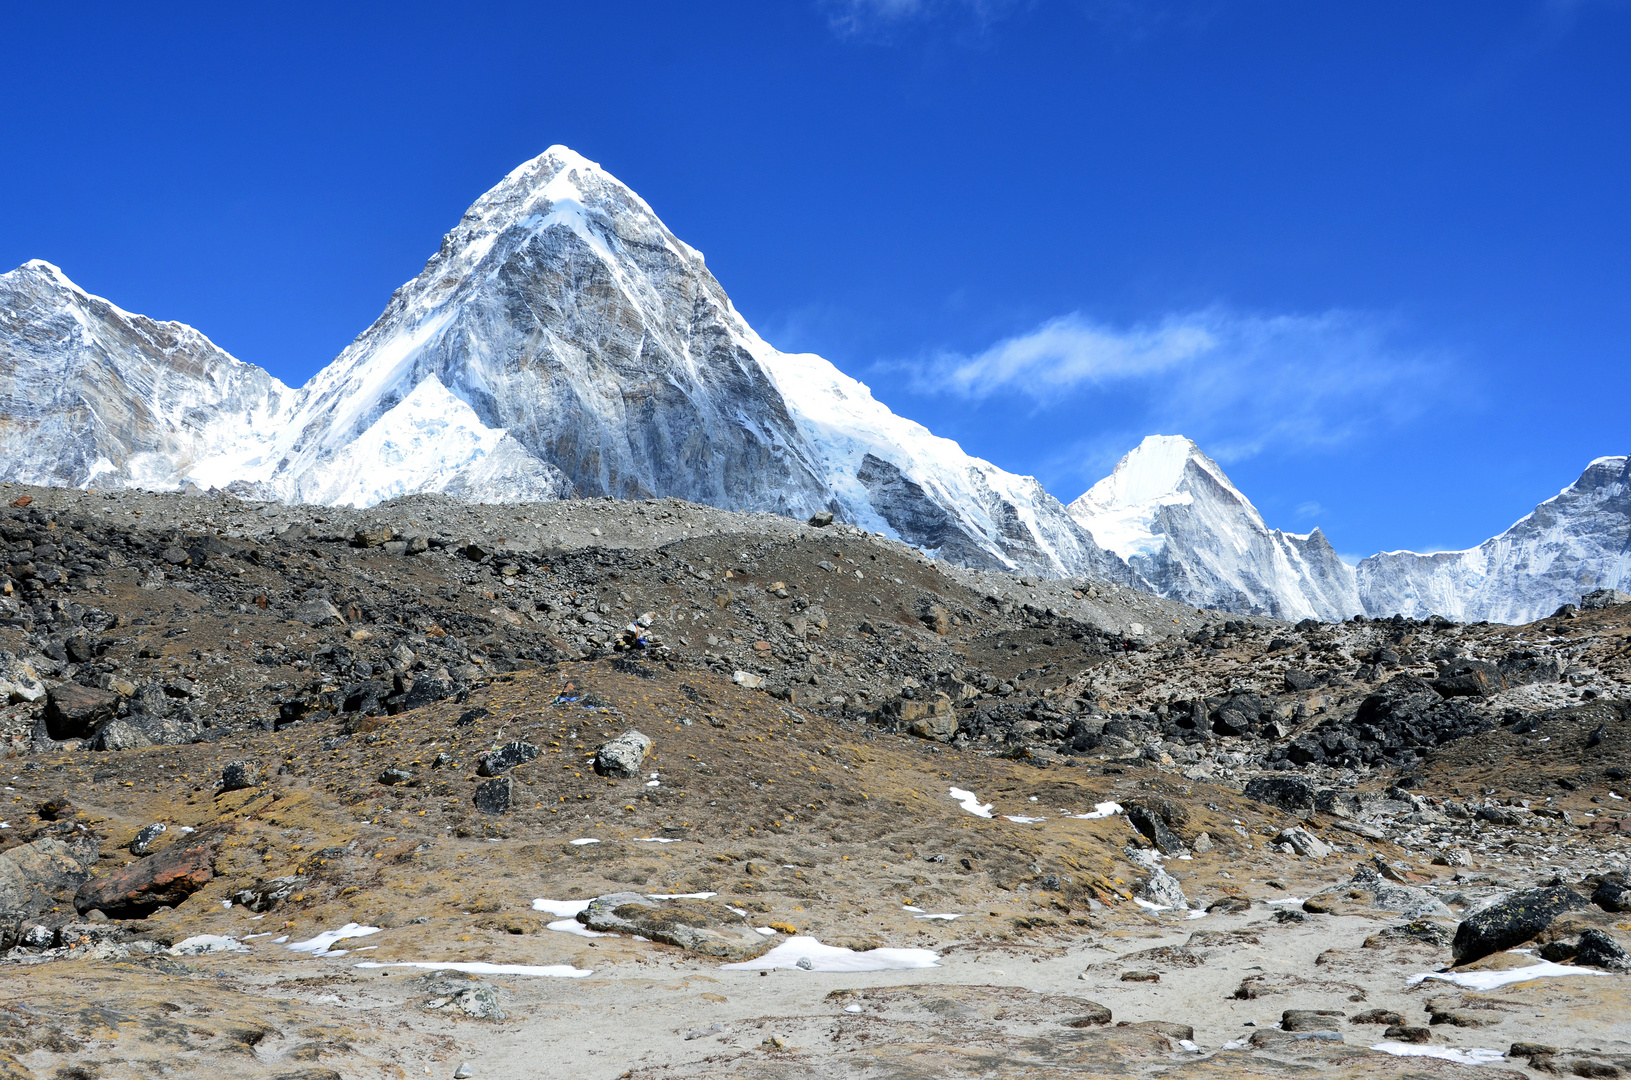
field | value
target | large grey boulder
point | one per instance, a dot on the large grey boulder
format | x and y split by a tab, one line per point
33	874
622	757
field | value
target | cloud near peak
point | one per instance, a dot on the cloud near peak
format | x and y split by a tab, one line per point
1235	382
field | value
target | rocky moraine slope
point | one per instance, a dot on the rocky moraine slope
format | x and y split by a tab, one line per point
437	788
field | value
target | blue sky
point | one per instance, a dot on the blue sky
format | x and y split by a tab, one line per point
1376	258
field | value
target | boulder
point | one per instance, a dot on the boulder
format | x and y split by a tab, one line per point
1597	949
622	757
495	796
425	690
821	519
119	735
505	758
266	895
1511	921
237	775
1304	842
32	874
318	611
161	880
1604	598
1369	892
699	926
1470	678
1150	823
19	682
1286	792
74	712
1612	895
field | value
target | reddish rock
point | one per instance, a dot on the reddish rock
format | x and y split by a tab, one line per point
162	880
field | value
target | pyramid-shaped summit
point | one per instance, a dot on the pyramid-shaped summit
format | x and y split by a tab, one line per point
560	342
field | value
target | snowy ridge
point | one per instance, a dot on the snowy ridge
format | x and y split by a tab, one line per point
1172	513
1573	543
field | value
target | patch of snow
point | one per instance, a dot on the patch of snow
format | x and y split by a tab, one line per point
765	930
1475	1056
321	945
564	909
1102	810
1492	980
808	954
1022	819
971	802
480	967
573	926
679	895
582	840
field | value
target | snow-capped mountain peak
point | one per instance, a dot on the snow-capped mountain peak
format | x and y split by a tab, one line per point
1173	514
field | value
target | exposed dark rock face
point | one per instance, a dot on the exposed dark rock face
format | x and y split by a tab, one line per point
1512	921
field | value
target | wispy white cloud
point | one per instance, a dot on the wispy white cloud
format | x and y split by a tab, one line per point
880	18
1310	510
1238	383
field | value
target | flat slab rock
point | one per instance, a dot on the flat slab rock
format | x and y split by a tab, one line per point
164	879
699	926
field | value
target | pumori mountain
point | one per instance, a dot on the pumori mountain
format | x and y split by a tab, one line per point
1172	514
1573	543
561	342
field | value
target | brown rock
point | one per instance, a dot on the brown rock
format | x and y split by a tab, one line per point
73	711
57	808
162	880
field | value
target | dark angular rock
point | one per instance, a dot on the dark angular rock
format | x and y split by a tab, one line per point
1612	895
821	519
163	880
73	711
425	690
1470	678
495	796
237	775
1597	949
1297	681
1154	829
56	808
1309	1019
1286	792
1511	921
505	758
394	776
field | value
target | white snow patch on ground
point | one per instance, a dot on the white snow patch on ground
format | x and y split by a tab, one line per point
564	909
1475	1056
808	954
582	840
679	895
1492	980
971	802
1102	810
321	945
655	839
1022	819
481	967
573	926
938	915
1287	900
765	930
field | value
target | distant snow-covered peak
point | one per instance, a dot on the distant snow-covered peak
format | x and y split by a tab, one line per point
1154	471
